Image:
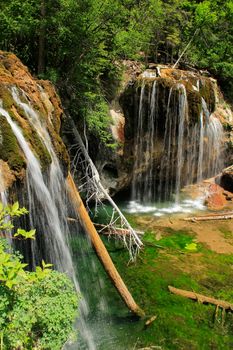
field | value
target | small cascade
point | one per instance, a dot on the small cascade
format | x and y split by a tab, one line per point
173	148
55	180
48	197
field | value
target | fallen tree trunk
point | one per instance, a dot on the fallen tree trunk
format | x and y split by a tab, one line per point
102	252
222	216
202	298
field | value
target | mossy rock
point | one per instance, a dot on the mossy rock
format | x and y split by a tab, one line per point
38	148
5	96
11	152
194	106
207	92
9	148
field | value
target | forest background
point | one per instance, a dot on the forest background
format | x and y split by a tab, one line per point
80	44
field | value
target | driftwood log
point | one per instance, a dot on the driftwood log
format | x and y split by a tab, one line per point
221	216
100	248
202	298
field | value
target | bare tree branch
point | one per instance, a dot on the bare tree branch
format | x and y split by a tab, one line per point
94	191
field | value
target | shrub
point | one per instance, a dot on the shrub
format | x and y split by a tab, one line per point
37	309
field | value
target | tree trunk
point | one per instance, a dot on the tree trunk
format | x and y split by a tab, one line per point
100	248
41	49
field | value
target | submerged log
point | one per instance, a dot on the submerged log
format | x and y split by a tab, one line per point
202	298
102	252
222	216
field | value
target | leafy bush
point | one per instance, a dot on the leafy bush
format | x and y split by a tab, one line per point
37	309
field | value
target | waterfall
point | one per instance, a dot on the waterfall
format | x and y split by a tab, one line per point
171	148
152	131
183	110
137	176
47	207
167	157
143	183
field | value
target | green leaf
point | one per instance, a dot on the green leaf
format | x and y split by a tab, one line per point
15	206
44	265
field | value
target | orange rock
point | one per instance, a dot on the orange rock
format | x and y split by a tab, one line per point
42	97
215	199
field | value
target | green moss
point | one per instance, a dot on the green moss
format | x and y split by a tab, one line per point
181	323
9	149
227	232
39	149
6	97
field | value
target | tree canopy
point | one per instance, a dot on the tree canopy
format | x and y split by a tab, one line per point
76	43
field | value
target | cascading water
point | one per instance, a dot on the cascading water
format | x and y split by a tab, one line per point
183	110
188	150
143	183
3	193
96	324
48	200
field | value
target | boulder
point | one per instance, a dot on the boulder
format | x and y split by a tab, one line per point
215	200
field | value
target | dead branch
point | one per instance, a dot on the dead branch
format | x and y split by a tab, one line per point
117	230
202	298
186	47
94	190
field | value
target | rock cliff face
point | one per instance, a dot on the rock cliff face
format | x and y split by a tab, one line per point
157	97
23	97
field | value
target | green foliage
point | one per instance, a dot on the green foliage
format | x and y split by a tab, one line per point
38	314
212	48
97	117
7	212
37	309
6	225
83	40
